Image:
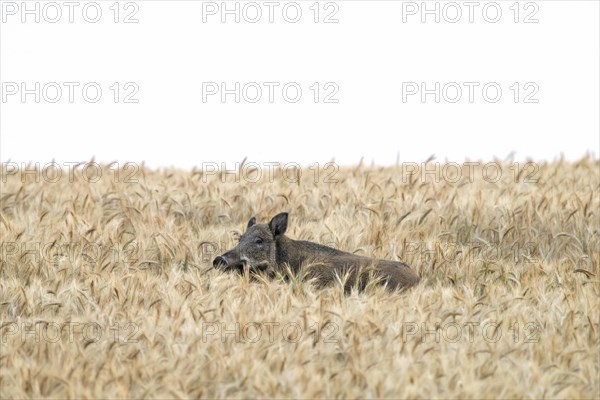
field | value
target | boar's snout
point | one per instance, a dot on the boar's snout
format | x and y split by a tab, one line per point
229	260
218	261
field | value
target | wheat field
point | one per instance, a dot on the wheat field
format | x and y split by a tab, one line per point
107	288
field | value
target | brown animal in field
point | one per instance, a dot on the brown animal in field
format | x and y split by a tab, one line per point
264	247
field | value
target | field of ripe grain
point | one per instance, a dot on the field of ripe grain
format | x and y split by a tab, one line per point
107	290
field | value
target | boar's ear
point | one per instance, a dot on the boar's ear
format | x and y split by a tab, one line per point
251	222
278	224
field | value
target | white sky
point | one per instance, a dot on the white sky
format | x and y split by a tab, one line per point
370	56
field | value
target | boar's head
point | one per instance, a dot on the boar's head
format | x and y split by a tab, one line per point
257	247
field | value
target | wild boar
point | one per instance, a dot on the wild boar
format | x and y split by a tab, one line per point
264	247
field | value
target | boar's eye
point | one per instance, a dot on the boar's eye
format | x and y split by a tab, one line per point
258	241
